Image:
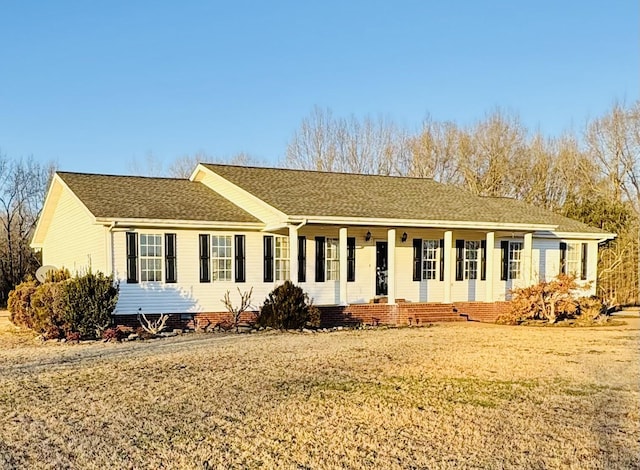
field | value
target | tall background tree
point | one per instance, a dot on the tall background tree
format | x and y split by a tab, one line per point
23	186
593	176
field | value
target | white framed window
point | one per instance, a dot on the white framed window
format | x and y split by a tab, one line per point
282	258
471	256
515	260
333	259
150	257
574	258
430	258
222	257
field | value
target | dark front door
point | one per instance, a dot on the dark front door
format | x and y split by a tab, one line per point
381	268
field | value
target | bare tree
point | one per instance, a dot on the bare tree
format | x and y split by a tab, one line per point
434	152
351	145
183	166
488	152
236	312
150	166
23	185
613	143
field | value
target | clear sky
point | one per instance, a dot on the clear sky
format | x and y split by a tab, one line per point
93	85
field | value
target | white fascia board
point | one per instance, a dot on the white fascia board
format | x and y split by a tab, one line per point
445	224
601	237
186	224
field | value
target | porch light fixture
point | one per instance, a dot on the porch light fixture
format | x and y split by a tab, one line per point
404	237
367	237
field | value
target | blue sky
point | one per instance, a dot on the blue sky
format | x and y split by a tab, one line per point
95	85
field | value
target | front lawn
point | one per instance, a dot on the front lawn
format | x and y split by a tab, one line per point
454	395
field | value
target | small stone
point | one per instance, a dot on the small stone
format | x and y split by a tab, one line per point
178	331
133	337
63	340
340	328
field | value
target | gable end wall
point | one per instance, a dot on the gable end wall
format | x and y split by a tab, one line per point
73	240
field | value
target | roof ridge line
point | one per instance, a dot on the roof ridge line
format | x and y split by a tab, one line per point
61	172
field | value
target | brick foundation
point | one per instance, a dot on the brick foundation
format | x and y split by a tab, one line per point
186	321
487	312
402	313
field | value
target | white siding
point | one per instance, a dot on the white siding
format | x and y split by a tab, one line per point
190	295
545	265
73	240
430	290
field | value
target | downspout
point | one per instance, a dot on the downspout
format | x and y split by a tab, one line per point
302	224
111	261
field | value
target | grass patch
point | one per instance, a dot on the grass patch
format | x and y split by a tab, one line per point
461	395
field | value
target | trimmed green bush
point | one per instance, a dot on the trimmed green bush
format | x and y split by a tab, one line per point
89	301
288	307
47	305
65	307
19	303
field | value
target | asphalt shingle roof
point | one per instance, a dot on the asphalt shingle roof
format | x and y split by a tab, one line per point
314	193
152	198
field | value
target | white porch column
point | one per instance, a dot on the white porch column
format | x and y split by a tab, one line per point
448	246
527	262
293	254
488	266
391	266
343	266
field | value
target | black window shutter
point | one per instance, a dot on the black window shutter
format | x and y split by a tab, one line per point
459	260
483	260
417	259
240	261
132	257
583	266
504	248
442	259
170	268
268	258
351	259
302	259
320	247
205	266
563	258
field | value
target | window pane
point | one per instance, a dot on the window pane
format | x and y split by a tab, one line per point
333	259
221	257
515	260
150	257
429	258
573	260
471	252
281	258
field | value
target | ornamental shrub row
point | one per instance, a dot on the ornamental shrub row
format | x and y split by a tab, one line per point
63	306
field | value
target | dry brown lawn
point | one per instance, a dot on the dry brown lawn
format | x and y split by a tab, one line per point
452	395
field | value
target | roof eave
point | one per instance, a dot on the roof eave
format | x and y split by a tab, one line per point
452	224
187	224
599	236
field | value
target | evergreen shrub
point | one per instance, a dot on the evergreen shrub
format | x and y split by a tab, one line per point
288	307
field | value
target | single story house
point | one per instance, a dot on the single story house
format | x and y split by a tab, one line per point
366	248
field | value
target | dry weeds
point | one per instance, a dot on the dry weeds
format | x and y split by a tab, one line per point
454	395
